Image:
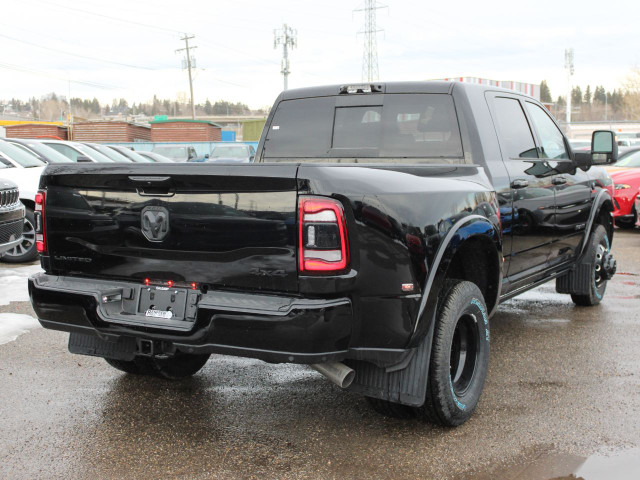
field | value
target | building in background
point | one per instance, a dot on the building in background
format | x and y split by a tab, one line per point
184	130
531	89
111	131
35	130
252	129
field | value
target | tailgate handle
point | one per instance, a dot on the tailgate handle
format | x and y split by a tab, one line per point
153	186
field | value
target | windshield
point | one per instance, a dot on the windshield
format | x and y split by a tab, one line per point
91	153
156	157
133	156
4	163
419	126
631	160
230	152
19	156
47	153
107	152
172	152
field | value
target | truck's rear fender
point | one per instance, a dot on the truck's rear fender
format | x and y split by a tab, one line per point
397	217
471	250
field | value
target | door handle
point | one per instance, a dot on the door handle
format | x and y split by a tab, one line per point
559	181
519	183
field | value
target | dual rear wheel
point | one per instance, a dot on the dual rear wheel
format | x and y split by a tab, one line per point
459	359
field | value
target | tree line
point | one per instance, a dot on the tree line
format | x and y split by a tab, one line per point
598	104
53	107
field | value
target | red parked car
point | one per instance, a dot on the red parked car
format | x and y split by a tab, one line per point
626	177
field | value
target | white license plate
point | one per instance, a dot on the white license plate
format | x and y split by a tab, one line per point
159	313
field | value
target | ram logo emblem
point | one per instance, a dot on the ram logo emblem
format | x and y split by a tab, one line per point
155	223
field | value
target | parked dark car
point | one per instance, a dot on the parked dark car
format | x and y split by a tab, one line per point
43	152
11	216
232	153
365	241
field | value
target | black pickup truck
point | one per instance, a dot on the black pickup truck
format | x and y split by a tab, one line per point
377	232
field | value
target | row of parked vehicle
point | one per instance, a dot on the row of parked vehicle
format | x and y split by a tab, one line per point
23	160
21	164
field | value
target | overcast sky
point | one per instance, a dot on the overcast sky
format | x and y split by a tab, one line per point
127	48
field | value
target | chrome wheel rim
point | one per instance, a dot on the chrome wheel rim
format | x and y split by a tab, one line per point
28	241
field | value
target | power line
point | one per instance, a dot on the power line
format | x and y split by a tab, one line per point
116	19
287	37
75	54
189	61
168	30
370	56
32	71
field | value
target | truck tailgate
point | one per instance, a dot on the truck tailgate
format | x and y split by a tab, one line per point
217	225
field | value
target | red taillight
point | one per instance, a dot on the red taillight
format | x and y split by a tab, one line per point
322	235
170	283
41	239
194	286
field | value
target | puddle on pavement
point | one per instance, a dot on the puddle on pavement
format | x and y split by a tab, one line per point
623	465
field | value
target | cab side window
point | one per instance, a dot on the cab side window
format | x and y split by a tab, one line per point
551	139
514	129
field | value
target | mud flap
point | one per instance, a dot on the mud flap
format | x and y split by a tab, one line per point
122	349
578	281
407	386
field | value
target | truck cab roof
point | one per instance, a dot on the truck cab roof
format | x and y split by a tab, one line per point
427	86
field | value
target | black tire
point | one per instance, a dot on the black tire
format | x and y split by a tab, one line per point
25	251
598	243
450	402
179	366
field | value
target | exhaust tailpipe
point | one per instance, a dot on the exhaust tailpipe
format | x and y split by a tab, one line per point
337	372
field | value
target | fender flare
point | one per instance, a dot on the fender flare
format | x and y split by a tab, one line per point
598	204
463	230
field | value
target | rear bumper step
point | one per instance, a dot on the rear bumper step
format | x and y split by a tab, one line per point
271	328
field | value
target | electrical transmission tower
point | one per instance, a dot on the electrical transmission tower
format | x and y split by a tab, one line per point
370	58
568	65
287	37
189	64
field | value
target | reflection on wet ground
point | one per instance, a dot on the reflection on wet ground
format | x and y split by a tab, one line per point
621	465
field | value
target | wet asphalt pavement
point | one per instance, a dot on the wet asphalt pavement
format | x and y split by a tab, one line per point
563	384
